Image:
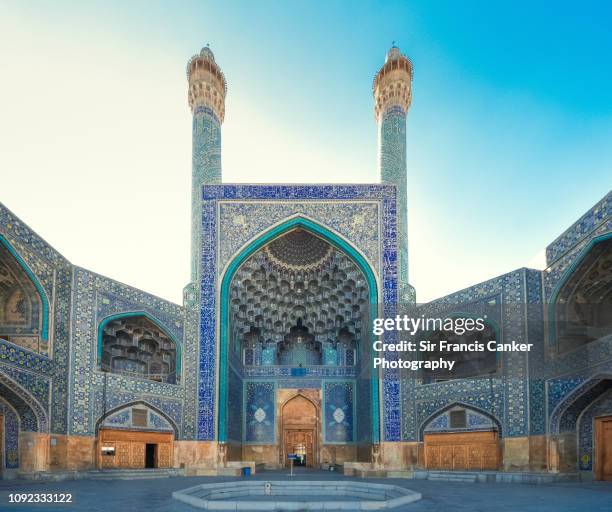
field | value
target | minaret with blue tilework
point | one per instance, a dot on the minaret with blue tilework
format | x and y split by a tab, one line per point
207	90
392	90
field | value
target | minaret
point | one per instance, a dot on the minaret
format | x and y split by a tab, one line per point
207	90
392	90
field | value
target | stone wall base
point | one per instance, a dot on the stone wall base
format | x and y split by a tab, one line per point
64	453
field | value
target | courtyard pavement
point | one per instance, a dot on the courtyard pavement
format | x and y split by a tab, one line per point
153	495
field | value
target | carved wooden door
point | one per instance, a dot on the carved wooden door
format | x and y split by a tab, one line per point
300	442
462	451
123	455
163	455
603	448
138	455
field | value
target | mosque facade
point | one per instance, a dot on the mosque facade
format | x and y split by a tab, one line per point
270	353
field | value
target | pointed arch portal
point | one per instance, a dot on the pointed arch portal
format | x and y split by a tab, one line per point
224	336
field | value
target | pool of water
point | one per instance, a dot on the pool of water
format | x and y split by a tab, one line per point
296	495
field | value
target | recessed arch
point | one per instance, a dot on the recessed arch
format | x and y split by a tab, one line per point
566	412
44	331
300	395
32	415
136	403
250	248
463	405
135	314
567	276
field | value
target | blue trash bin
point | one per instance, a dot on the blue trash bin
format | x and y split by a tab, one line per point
246	471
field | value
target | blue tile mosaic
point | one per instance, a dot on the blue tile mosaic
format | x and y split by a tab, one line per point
338	407
260	405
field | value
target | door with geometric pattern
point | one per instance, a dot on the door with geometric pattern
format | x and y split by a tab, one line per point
300	442
474	451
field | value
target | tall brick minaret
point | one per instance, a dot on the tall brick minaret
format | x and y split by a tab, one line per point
206	94
392	90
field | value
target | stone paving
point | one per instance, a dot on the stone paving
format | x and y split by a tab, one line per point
153	495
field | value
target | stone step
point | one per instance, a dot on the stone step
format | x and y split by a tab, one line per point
452	476
106	474
495	477
132	474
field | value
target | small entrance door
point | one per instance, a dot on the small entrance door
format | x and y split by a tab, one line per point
300	425
150	455
300	442
603	448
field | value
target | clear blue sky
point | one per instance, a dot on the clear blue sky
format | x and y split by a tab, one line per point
509	134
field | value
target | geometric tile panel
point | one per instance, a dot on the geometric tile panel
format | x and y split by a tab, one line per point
260	398
338	409
10	450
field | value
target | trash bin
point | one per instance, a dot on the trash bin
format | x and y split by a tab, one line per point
246	471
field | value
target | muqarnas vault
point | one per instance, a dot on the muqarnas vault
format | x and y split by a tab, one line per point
270	353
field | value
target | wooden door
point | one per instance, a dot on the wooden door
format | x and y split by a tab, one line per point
137	455
300	441
164	455
123	455
475	451
603	448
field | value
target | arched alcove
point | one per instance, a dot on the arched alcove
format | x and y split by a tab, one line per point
298	301
276	284
20	413
577	423
131	416
24	307
581	305
32	415
470	418
134	344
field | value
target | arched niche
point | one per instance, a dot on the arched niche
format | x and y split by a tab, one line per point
24	308
587	442
459	417
135	344
575	423
298	301
32	415
139	415
564	417
581	305
328	243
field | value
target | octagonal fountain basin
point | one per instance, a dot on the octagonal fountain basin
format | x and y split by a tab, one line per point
296	495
